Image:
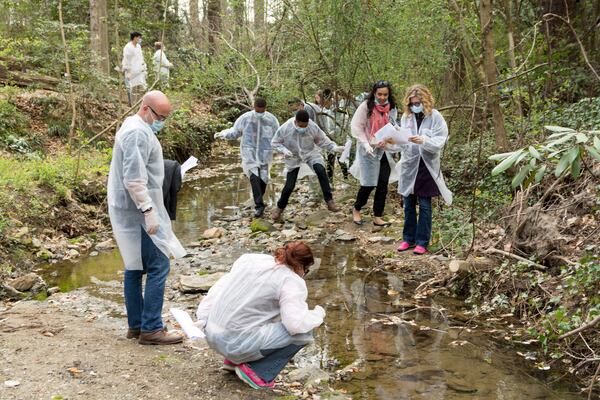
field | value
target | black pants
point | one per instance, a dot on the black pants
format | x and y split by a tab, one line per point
380	190
258	190
331	157
290	184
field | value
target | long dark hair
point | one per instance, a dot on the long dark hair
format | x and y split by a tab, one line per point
371	98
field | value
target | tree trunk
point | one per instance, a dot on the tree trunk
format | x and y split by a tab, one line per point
239	15
195	28
214	24
99	36
259	15
512	61
489	68
593	36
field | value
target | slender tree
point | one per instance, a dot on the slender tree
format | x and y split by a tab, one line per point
99	36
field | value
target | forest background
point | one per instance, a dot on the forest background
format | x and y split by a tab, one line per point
517	81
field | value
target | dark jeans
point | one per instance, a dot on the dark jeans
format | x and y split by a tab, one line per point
380	190
258	190
274	361
290	184
417	232
144	312
331	157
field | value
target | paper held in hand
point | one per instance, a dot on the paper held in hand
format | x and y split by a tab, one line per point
188	164
187	325
393	135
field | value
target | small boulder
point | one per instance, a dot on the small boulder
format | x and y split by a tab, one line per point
197	284
213	233
27	282
309	375
381	239
106	245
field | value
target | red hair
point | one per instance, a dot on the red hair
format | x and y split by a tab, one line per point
296	255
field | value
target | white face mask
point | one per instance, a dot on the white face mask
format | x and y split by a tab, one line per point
259	115
139	41
416	109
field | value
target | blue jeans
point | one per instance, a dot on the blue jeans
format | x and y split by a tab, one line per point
144	312
417	232
274	361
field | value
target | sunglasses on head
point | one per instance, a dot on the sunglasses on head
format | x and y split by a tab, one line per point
380	84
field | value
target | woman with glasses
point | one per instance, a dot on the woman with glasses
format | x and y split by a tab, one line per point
419	168
257	317
374	163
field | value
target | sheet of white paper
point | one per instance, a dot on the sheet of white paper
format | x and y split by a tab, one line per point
188	164
187	325
397	136
345	157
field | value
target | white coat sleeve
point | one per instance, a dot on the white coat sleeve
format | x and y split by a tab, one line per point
323	141
436	139
277	141
208	301
126	63
136	151
358	125
295	315
237	130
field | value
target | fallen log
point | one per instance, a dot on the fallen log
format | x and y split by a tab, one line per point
26	79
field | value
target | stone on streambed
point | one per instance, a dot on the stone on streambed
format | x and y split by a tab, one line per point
27	282
344	236
460	387
260	225
381	239
309	375
105	245
197	284
288	233
213	233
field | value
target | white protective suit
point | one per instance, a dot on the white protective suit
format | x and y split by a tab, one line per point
435	132
134	66
255	145
304	147
258	305
134	184
160	61
365	167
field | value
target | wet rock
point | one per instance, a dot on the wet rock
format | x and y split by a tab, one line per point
44	254
460	387
381	239
71	253
93	254
213	233
53	290
309	375
288	233
260	225
9	292
105	245
301	226
27	282
345	237
196	284
347	373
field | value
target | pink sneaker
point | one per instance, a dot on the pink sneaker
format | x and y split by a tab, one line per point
229	365
404	246
419	250
245	373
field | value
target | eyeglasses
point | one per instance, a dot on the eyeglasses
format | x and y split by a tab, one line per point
160	117
417	104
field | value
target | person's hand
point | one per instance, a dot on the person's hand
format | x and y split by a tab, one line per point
219	135
368	148
416	139
381	144
338	149
287	153
151	220
320	310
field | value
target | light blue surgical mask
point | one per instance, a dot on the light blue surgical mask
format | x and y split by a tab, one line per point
140	41
259	115
416	109
301	130
157	125
380	103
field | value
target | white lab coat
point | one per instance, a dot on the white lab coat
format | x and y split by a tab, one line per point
134	184
160	60
435	132
365	167
258	305
305	147
134	66
255	145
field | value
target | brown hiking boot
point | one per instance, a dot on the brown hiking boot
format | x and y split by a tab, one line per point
133	333
277	214
332	207
160	337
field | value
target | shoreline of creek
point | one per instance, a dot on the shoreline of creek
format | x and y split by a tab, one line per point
72	345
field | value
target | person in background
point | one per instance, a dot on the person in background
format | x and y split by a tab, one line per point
296	105
134	68
373	166
162	66
256	128
340	123
139	220
257	317
300	141
420	174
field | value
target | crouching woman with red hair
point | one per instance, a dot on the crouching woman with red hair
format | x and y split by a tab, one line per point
257	317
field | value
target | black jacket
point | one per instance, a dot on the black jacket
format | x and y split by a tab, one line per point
171	186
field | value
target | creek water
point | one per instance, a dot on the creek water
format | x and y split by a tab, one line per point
398	350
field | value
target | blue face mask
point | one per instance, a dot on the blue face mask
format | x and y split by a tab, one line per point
380	103
301	130
259	115
416	109
157	125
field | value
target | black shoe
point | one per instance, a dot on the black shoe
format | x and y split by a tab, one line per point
258	211
383	225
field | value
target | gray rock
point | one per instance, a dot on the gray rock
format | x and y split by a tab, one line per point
9	292
309	375
21	232
288	233
196	284
106	245
93	254
460	387
346	237
27	282
35	242
53	290
213	233
381	239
